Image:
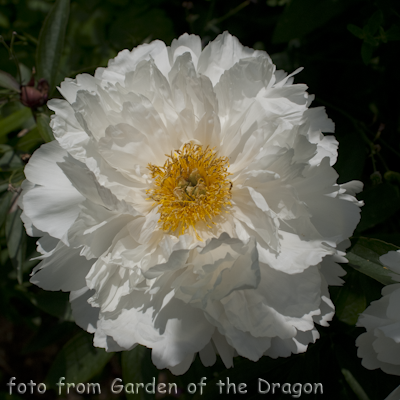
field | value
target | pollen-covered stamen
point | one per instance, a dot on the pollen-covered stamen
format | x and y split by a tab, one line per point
192	186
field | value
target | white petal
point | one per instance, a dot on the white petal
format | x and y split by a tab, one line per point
223	348
185	43
391	260
127	61
395	395
64	270
221	54
53	197
174	334
84	314
207	355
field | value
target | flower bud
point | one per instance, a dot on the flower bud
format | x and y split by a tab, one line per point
35	97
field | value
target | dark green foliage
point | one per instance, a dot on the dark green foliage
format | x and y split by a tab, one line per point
78	361
51	42
364	257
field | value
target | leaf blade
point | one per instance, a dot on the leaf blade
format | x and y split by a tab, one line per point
51	42
43	125
356	31
132	369
5	202
14	121
349	299
16	241
78	361
364	257
8	81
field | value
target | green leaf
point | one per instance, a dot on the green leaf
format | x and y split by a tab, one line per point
356	31
364	257
5	203
26	73
4	21
8	81
381	202
16	241
349	299
3	186
303	16
371	41
51	42
43	126
17	177
14	121
132	369
149	370
374	23
78	361
366	52
29	141
9	160
382	35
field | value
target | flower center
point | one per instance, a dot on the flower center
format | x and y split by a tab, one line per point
192	186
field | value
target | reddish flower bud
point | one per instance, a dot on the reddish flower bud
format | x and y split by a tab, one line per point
35	97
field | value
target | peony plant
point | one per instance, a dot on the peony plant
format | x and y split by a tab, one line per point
189	204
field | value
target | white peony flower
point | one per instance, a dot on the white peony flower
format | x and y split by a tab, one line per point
189	204
395	395
379	347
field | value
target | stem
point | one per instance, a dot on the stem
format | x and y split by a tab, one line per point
28	37
344	113
14	34
389	147
12	55
12	42
383	162
373	161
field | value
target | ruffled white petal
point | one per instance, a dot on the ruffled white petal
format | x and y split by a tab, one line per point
84	314
222	54
392	261
52	197
64	270
379	346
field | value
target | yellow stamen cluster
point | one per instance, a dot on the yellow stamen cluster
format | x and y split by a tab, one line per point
192	186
